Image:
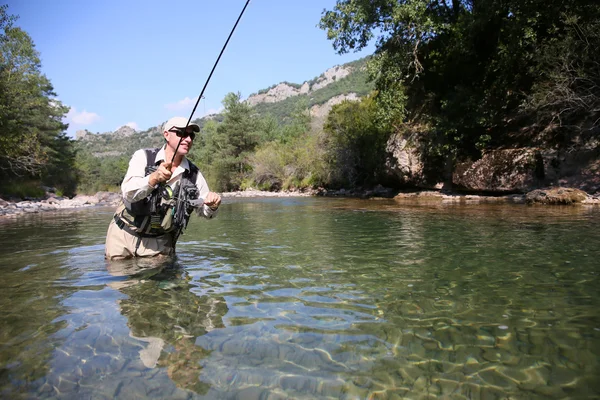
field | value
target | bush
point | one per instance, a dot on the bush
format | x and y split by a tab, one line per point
295	165
22	190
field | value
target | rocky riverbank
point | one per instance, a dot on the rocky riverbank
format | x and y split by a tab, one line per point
562	196
52	202
551	196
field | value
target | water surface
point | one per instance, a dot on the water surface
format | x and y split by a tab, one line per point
308	298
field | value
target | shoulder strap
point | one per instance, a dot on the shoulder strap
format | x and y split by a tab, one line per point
192	175
151	156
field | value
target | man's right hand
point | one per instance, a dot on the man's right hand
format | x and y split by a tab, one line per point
161	175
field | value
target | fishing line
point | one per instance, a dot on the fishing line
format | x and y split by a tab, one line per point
209	76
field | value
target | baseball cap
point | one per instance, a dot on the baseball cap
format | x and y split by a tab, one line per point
179	122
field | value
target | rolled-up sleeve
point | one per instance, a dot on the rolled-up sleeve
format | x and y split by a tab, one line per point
135	186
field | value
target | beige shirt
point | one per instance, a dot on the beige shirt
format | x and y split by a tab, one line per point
135	186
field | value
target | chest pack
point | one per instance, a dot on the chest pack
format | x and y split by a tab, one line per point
165	209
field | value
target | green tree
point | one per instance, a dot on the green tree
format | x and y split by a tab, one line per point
567	95
88	169
112	171
465	68
268	128
224	149
355	144
61	172
295	164
209	152
239	127
297	124
33	142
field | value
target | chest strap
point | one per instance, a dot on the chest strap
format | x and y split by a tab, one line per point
122	225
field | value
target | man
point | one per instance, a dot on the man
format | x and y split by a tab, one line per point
159	196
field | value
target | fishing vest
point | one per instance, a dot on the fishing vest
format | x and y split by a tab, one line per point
165	209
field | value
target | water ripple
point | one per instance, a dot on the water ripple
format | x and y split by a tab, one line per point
308	298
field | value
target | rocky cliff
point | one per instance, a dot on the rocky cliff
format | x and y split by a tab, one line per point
284	90
123	132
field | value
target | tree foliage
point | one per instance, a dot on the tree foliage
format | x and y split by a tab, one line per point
468	68
225	148
293	158
33	142
568	93
100	173
355	144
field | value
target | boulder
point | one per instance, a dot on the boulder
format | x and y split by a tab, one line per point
557	195
84	199
403	163
108	197
420	197
505	170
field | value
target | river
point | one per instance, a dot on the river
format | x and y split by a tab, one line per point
308	298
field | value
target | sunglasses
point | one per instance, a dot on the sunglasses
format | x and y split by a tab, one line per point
183	134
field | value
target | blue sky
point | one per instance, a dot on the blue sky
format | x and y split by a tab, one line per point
137	63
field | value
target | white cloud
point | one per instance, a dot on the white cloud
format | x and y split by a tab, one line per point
81	117
181	105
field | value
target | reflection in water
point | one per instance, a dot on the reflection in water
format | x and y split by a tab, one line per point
364	302
162	312
309	298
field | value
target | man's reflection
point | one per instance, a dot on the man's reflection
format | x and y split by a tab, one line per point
163	312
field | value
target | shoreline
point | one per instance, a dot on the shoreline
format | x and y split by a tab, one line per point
15	208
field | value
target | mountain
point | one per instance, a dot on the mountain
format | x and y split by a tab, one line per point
281	100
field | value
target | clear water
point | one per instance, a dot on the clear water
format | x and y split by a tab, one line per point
308	298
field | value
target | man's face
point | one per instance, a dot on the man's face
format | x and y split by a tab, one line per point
174	135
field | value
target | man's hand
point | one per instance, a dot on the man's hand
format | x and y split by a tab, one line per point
161	175
212	200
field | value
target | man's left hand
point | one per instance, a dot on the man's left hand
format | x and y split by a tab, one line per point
212	200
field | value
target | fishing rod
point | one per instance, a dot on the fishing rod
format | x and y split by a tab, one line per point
209	76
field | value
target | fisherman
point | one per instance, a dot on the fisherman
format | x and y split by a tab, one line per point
160	191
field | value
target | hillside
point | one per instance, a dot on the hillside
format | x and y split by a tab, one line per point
280	101
348	80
